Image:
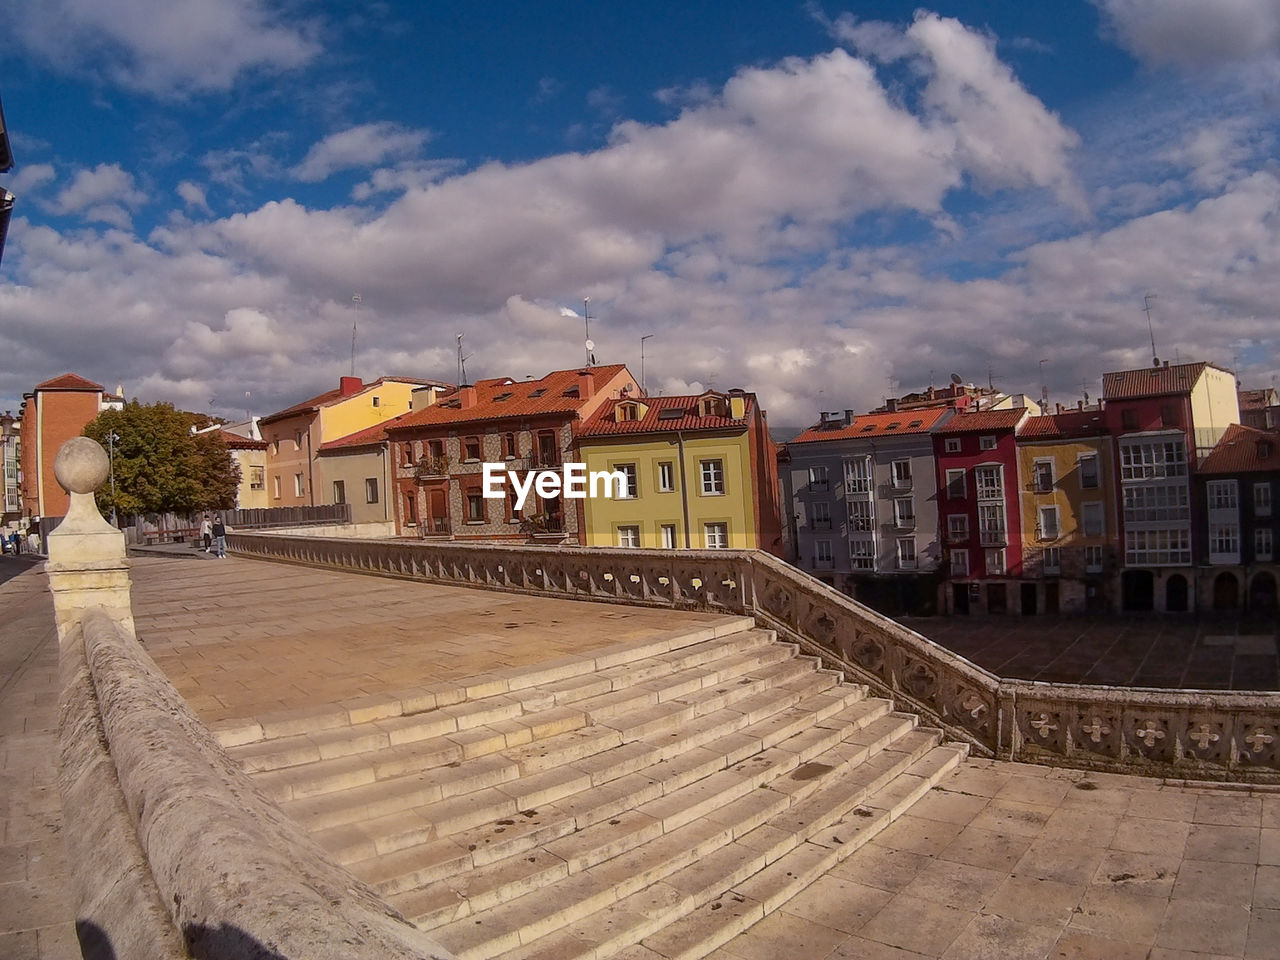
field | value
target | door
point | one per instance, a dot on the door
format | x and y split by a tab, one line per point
997	598
1175	594
960	598
1028	599
437	511
1226	592
1051	597
1138	590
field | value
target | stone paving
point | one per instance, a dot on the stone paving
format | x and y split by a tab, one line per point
1170	651
1005	861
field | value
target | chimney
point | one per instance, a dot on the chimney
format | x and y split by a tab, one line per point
586	385
349	385
1060	409
1080	405
848	417
467	396
891	405
930	393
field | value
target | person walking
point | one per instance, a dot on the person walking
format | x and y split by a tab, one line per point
206	532
219	531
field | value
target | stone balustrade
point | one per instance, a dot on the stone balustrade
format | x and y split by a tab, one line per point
1191	734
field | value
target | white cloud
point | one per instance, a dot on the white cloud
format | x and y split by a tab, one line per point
104	194
361	146
409	175
161	47
193	195
30	178
1194	34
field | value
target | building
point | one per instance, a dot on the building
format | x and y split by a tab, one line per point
53	413
1163	420
1240	483
1068	514
294	435
251	456
1260	409
978	507
863	497
356	469
701	473
10	469
438	453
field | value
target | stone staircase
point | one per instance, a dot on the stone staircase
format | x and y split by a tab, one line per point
650	800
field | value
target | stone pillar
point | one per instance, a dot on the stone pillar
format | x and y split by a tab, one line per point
87	566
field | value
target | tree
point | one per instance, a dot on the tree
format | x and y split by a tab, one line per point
160	465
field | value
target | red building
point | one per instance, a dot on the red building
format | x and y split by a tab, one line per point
978	510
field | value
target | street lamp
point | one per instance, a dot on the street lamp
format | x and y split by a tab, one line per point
112	439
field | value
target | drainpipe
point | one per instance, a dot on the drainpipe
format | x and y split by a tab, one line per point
311	477
684	490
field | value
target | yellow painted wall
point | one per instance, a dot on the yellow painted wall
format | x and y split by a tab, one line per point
651	508
246	497
357	412
1214	405
1067	494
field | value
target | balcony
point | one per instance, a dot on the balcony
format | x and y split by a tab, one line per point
857	487
431	467
543	525
904	523
906	564
957	536
821	564
435	527
901	484
993	538
821	524
545	459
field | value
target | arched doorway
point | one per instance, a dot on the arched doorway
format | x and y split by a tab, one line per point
1138	590
1226	591
1262	593
1175	594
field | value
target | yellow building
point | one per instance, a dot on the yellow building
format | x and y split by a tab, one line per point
701	473
251	456
1069	523
294	435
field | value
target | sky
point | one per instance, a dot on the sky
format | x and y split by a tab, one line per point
823	204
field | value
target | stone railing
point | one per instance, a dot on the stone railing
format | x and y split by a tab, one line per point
1184	733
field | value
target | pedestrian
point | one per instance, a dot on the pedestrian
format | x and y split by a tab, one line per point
16	539
206	532
219	538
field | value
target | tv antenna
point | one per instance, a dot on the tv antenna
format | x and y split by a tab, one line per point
355	298
1146	306
462	363
647	336
586	321
1044	388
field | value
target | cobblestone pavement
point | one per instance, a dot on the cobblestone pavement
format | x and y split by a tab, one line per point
1139	650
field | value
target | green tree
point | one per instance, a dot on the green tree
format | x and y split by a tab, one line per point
160	465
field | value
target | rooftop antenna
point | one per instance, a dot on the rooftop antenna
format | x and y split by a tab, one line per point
462	364
647	336
586	321
1084	389
1044	388
991	379
247	414
1146	306
355	298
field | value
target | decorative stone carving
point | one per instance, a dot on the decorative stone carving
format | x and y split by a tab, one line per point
919	680
868	652
1095	729
1203	735
1043	725
1258	740
1149	732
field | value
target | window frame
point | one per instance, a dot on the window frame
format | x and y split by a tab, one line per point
632	473
721	530
953	475
1093	509
371	491
339	491
1049	510
666	476
1092	459
627	531
713	483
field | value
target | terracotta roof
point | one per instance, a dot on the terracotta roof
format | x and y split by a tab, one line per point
665	415
1152	381
872	425
1087	423
369	436
983	420
1256	399
69	381
333	396
1239	451
500	398
237	442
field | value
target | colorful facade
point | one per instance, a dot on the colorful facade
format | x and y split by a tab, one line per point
701	473
356	470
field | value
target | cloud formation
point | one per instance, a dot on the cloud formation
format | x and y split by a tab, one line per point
1195	35
365	145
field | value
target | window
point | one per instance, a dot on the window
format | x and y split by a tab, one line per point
371	490
297	439
377	402
712	477
475	508
509	446
1043	473
818	477
907	553
951	445
857	475
861	554
1262	543
959	563
471	448
995	562
1093	519
257	478
991	530
987	443
629	536
1129	419
435	448
1089	472
717	535
822	553
820	515
1153	460
298	487
1048	523
410	509
339	491
1224	538
1157	547
956	489
902	474
1262	499
628	411
666	476
275	486
668	536
990	483
904	513
1052	559
275	447
632	489
860	516
406	454
1168	502
958	527
1093	558
1222	495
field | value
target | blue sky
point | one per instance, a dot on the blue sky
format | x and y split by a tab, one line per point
816	202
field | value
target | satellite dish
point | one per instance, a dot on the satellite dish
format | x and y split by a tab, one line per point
957	379
591	344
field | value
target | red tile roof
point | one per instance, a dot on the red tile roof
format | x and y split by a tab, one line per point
1152	381
69	381
1087	423
872	425
983	420
369	436
333	396
1240	451
659	418
501	398
1256	399
237	442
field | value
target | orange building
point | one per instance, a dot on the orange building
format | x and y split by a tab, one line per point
53	413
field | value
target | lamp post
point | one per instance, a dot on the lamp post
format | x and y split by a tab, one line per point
112	439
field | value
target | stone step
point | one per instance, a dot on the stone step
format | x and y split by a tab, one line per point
646	889
340	791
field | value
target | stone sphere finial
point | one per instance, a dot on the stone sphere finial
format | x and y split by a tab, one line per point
81	466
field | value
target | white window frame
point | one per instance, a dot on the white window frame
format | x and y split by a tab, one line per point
716	536
951	445
820	512
1090	458
1262	499
906	553
957	485
629	535
857	475
994	559
904	515
1224	538
1052	558
900	472
669	541
818	479
299	485
822	555
988	481
666	476
1043	476
632	488
1263	543
958	532
1223	495
959	563
1093	558
862	517
1049	529
712	473
1093	514
987	442
862	554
